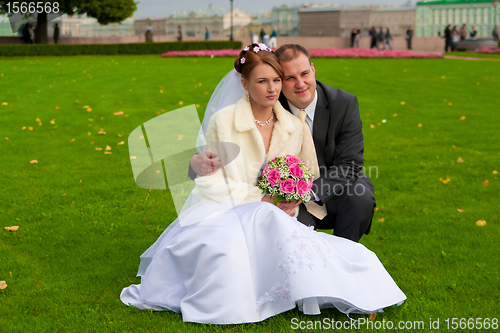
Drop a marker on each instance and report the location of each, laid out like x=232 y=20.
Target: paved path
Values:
x=470 y=58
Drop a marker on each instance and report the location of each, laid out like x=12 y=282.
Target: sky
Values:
x=165 y=8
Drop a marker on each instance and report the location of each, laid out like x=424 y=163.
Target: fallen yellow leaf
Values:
x=53 y=121
x=7 y=139
x=381 y=219
x=449 y=103
x=71 y=140
x=443 y=77
x=453 y=146
x=98 y=148
x=402 y=103
x=34 y=161
x=119 y=135
x=23 y=128
x=3 y=285
x=376 y=209
x=372 y=317
x=419 y=125
x=481 y=223
x=181 y=102
x=460 y=160
x=89 y=109
x=38 y=119
x=121 y=143
x=107 y=152
x=30 y=128
x=5 y=103
x=495 y=172
x=395 y=115
x=118 y=113
x=372 y=126
x=460 y=210
x=101 y=132
x=462 y=118
x=444 y=180
x=486 y=182
x=180 y=137
x=89 y=133
x=108 y=147
x=133 y=157
x=64 y=195
x=14 y=228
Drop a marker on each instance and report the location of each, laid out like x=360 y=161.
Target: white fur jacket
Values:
x=235 y=124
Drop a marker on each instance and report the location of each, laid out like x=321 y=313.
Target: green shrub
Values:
x=102 y=49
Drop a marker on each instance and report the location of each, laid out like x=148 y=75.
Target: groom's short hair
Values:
x=288 y=52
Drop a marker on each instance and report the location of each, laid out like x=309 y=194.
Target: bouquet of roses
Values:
x=286 y=179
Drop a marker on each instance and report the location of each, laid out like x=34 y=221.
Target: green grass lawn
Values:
x=84 y=223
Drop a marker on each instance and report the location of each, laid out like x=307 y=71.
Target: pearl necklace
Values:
x=264 y=123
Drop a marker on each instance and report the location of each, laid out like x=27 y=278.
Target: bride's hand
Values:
x=204 y=163
x=267 y=198
x=288 y=205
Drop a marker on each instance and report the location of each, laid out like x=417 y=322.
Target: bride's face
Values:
x=263 y=85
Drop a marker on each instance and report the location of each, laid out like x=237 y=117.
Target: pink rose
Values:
x=292 y=160
x=296 y=171
x=302 y=187
x=288 y=186
x=274 y=176
x=310 y=184
x=266 y=169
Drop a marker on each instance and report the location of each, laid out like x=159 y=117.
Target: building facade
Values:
x=319 y=21
x=355 y=17
x=396 y=19
x=286 y=20
x=240 y=19
x=433 y=16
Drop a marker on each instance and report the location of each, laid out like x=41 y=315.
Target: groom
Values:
x=335 y=124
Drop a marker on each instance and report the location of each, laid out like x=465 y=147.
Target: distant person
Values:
x=409 y=37
x=463 y=32
x=388 y=39
x=273 y=43
x=265 y=40
x=495 y=33
x=447 y=38
x=354 y=37
x=27 y=33
x=207 y=34
x=56 y=33
x=374 y=37
x=473 y=32
x=255 y=37
x=455 y=37
x=380 y=38
x=262 y=34
x=179 y=33
x=149 y=35
x=32 y=33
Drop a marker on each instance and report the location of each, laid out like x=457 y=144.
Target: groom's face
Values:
x=299 y=85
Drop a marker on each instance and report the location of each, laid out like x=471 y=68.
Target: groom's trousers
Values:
x=349 y=214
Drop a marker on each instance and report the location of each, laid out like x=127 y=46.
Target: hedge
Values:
x=10 y=50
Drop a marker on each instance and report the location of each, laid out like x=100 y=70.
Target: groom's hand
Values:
x=204 y=164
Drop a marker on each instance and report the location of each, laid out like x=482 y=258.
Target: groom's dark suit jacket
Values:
x=338 y=140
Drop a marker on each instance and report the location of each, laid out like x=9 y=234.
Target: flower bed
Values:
x=315 y=53
x=494 y=51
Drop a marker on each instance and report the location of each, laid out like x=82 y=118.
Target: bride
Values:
x=232 y=256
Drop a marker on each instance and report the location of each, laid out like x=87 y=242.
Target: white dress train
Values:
x=252 y=262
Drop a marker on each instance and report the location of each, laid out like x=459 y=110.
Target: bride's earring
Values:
x=247 y=96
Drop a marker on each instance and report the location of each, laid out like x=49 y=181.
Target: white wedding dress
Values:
x=253 y=261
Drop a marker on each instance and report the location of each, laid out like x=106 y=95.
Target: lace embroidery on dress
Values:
x=277 y=292
x=307 y=248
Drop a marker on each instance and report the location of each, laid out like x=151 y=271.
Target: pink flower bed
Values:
x=315 y=53
x=496 y=51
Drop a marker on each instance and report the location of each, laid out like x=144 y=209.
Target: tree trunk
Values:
x=41 y=29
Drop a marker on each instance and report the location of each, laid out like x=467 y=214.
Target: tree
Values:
x=105 y=11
